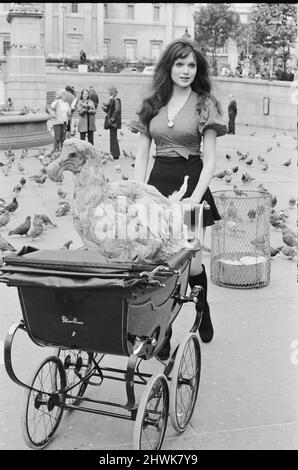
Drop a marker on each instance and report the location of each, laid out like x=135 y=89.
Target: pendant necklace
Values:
x=171 y=120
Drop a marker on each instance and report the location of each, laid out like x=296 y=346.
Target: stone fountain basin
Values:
x=27 y=130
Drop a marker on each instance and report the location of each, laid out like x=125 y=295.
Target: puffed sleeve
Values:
x=136 y=126
x=210 y=118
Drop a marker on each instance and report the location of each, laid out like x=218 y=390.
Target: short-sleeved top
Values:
x=184 y=138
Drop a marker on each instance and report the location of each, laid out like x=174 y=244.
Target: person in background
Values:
x=8 y=106
x=180 y=113
x=113 y=120
x=86 y=110
x=70 y=97
x=60 y=118
x=232 y=112
x=93 y=96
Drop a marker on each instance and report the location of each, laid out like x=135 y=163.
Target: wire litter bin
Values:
x=240 y=241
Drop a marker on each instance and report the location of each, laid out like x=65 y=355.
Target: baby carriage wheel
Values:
x=75 y=362
x=42 y=412
x=152 y=415
x=185 y=382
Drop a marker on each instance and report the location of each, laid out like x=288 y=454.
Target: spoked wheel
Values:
x=77 y=365
x=152 y=415
x=42 y=412
x=185 y=382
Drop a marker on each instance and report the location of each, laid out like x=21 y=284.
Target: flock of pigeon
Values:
x=35 y=227
x=278 y=217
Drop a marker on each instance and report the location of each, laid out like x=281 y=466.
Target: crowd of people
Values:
x=66 y=102
x=287 y=74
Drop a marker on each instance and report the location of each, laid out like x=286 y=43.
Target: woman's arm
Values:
x=91 y=109
x=209 y=165
x=142 y=158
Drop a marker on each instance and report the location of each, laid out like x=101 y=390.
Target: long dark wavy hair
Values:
x=162 y=84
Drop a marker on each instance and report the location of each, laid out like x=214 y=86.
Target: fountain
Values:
x=25 y=82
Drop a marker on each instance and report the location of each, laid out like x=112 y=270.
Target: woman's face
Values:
x=85 y=95
x=183 y=71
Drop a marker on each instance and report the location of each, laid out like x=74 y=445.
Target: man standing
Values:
x=232 y=112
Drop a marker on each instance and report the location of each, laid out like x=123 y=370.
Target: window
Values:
x=74 y=8
x=223 y=50
x=156 y=12
x=130 y=47
x=74 y=47
x=106 y=11
x=131 y=12
x=106 y=45
x=6 y=44
x=155 y=50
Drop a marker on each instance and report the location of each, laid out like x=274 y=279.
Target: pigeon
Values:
x=4 y=218
x=46 y=220
x=66 y=245
x=278 y=144
x=274 y=135
x=249 y=162
x=265 y=166
x=275 y=220
x=39 y=179
x=12 y=206
x=118 y=168
x=5 y=245
x=288 y=251
x=284 y=214
x=274 y=251
x=243 y=157
x=268 y=149
x=62 y=194
x=252 y=134
x=292 y=202
x=17 y=189
x=232 y=213
x=235 y=169
x=287 y=163
x=289 y=237
x=228 y=156
x=125 y=177
x=23 y=181
x=261 y=159
x=238 y=191
x=260 y=210
x=23 y=228
x=246 y=178
x=36 y=231
x=24 y=153
x=228 y=179
x=20 y=167
x=252 y=214
x=220 y=175
x=261 y=188
x=273 y=201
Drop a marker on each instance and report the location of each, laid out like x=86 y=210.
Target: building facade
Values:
x=131 y=30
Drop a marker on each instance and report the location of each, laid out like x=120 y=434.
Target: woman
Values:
x=178 y=114
x=61 y=117
x=86 y=110
x=113 y=120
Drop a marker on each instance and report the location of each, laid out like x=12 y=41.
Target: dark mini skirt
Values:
x=167 y=175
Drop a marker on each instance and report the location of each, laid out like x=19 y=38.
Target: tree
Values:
x=273 y=30
x=214 y=24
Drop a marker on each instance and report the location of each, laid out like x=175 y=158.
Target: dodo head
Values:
x=73 y=156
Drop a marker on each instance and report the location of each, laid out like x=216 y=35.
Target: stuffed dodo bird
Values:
x=126 y=221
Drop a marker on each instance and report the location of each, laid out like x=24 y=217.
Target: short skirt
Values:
x=167 y=175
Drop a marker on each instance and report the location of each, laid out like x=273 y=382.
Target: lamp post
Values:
x=63 y=7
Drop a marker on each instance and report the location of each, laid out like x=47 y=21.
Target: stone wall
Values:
x=249 y=93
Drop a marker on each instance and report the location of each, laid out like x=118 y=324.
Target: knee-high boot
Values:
x=206 y=327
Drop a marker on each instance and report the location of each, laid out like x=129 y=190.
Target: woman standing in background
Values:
x=113 y=120
x=86 y=112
